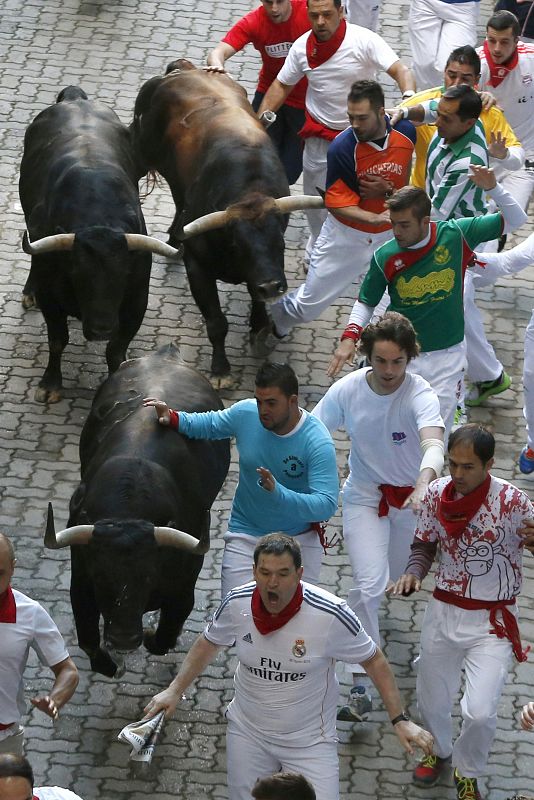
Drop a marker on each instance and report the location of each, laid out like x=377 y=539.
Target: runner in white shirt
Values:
x=24 y=624
x=288 y=636
x=331 y=56
x=507 y=71
x=395 y=429
x=478 y=522
x=363 y=12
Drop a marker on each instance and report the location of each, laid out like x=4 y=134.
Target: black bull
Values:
x=78 y=189
x=199 y=131
x=136 y=474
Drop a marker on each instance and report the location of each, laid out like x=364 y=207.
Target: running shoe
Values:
x=359 y=705
x=466 y=788
x=526 y=460
x=481 y=391
x=429 y=770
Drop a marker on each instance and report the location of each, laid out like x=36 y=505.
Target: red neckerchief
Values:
x=8 y=607
x=455 y=515
x=507 y=629
x=265 y=622
x=318 y=52
x=392 y=496
x=404 y=259
x=498 y=72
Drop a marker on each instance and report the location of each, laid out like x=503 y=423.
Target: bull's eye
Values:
x=483 y=551
x=471 y=551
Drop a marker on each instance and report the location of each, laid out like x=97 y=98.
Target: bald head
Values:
x=16 y=777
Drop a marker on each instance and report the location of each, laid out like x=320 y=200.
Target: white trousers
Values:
x=444 y=370
x=528 y=381
x=520 y=184
x=482 y=363
x=378 y=550
x=363 y=12
x=435 y=29
x=452 y=638
x=340 y=256
x=250 y=758
x=238 y=558
x=313 y=176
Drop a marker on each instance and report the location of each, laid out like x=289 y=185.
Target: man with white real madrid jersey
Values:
x=288 y=636
x=24 y=624
x=423 y=268
x=395 y=429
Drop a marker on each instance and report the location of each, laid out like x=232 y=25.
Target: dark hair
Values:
x=470 y=105
x=279 y=375
x=283 y=786
x=502 y=20
x=12 y=766
x=276 y=544
x=465 y=55
x=9 y=545
x=391 y=327
x=411 y=197
x=367 y=90
x=480 y=437
x=337 y=3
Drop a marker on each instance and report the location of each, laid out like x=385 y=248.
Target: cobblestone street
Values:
x=109 y=48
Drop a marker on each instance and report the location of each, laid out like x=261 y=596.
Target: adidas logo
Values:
x=248 y=638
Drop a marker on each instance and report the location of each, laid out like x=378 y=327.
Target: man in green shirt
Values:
x=423 y=268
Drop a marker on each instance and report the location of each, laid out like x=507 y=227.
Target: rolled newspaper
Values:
x=143 y=736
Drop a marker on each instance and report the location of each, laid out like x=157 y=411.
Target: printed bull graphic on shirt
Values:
x=491 y=573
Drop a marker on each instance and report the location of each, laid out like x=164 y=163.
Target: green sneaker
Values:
x=466 y=788
x=481 y=391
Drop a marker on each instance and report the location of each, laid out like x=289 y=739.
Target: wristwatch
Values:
x=267 y=118
x=402 y=717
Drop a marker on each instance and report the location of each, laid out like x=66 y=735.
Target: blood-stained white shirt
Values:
x=362 y=54
x=286 y=690
x=485 y=562
x=515 y=94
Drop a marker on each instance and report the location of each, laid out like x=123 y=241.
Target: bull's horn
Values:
x=297 y=202
x=171 y=537
x=78 y=534
x=60 y=241
x=137 y=241
x=217 y=219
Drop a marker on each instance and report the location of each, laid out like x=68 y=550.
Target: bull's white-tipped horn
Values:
x=209 y=222
x=297 y=202
x=171 y=537
x=49 y=244
x=78 y=534
x=138 y=241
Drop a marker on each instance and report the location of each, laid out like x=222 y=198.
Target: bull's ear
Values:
x=76 y=500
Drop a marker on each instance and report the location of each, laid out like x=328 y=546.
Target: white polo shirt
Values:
x=33 y=628
x=515 y=94
x=361 y=55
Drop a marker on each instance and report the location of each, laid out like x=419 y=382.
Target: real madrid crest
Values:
x=299 y=648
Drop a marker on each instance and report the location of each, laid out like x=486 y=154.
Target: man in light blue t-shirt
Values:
x=287 y=469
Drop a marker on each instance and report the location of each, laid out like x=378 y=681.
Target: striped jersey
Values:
x=492 y=119
x=286 y=690
x=348 y=159
x=453 y=194
x=426 y=283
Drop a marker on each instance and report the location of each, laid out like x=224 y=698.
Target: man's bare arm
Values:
x=275 y=96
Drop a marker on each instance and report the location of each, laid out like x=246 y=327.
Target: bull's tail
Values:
x=152 y=179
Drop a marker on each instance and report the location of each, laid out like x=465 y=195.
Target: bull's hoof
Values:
x=223 y=381
x=29 y=301
x=263 y=342
x=150 y=641
x=102 y=663
x=44 y=395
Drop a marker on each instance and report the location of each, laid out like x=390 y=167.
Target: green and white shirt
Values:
x=453 y=195
x=426 y=283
